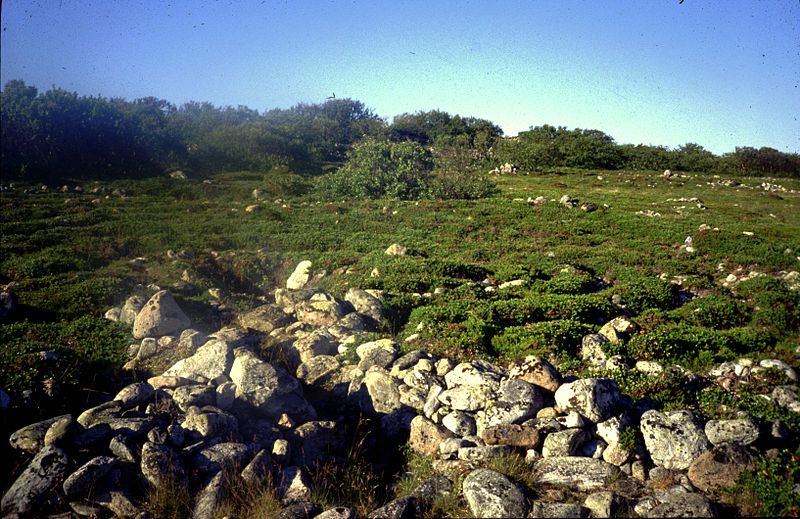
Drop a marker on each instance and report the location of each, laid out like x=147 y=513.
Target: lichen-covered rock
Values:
x=161 y=315
x=318 y=370
x=36 y=482
x=558 y=510
x=101 y=413
x=741 y=430
x=475 y=373
x=208 y=498
x=211 y=360
x=378 y=393
x=592 y=350
x=300 y=277
x=492 y=494
x=513 y=435
x=467 y=398
x=593 y=398
x=87 y=475
x=135 y=394
x=537 y=371
x=425 y=436
x=194 y=395
x=406 y=507
x=221 y=456
x=365 y=304
x=564 y=443
x=576 y=472
x=460 y=423
x=319 y=313
x=265 y=318
x=673 y=438
x=689 y=504
x=720 y=466
x=31 y=437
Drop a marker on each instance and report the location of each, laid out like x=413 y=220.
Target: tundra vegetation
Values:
x=103 y=197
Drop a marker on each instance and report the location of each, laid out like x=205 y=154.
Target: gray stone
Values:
x=94 y=435
x=300 y=277
x=258 y=469
x=31 y=437
x=194 y=395
x=475 y=373
x=460 y=423
x=592 y=350
x=349 y=325
x=62 y=432
x=556 y=510
x=381 y=357
x=620 y=362
x=298 y=509
x=365 y=304
x=564 y=443
x=611 y=429
x=293 y=485
x=191 y=339
x=467 y=397
x=483 y=452
x=319 y=313
x=339 y=512
x=287 y=298
x=265 y=318
x=211 y=360
x=619 y=328
x=426 y=437
x=604 y=504
x=595 y=399
x=159 y=463
x=133 y=305
x=432 y=488
x=266 y=389
x=221 y=456
x=119 y=501
x=101 y=413
x=492 y=494
x=36 y=482
x=161 y=315
x=406 y=507
x=318 y=370
x=124 y=448
x=132 y=427
x=741 y=430
x=585 y=474
x=226 y=395
x=685 y=505
x=673 y=438
x=209 y=497
x=448 y=448
x=720 y=466
x=318 y=342
x=209 y=423
x=315 y=441
x=378 y=393
x=87 y=475
x=135 y=394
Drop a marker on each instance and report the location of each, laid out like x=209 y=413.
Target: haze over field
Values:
x=721 y=74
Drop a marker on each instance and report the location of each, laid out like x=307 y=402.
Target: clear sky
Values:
x=721 y=73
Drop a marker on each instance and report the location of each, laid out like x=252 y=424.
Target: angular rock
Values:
x=592 y=350
x=475 y=373
x=194 y=395
x=604 y=504
x=483 y=452
x=258 y=469
x=579 y=473
x=208 y=424
x=686 y=505
x=36 y=482
x=365 y=304
x=460 y=423
x=293 y=485
x=119 y=501
x=430 y=489
x=492 y=494
x=339 y=512
x=426 y=436
x=616 y=454
x=318 y=370
x=221 y=456
x=619 y=328
x=594 y=398
x=319 y=313
x=467 y=398
x=124 y=448
x=720 y=466
x=319 y=342
x=673 y=438
x=378 y=393
x=611 y=429
x=564 y=443
x=317 y=440
x=537 y=371
x=159 y=463
x=349 y=325
x=266 y=389
x=135 y=394
x=556 y=510
x=62 y=432
x=211 y=360
x=101 y=413
x=396 y=249
x=161 y=315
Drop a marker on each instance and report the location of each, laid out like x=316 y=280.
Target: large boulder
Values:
x=720 y=467
x=593 y=398
x=267 y=389
x=300 y=277
x=365 y=304
x=161 y=315
x=378 y=393
x=36 y=482
x=537 y=371
x=211 y=360
x=265 y=318
x=576 y=472
x=673 y=438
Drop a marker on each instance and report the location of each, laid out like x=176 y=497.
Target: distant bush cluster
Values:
x=58 y=135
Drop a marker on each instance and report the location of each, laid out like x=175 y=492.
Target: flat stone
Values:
x=512 y=434
x=467 y=398
x=537 y=371
x=36 y=482
x=492 y=494
x=31 y=437
x=741 y=430
x=674 y=438
x=87 y=475
x=575 y=472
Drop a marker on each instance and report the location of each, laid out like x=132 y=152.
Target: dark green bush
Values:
x=772 y=483
x=714 y=311
x=647 y=293
x=559 y=336
x=571 y=281
x=776 y=307
x=460 y=341
x=688 y=345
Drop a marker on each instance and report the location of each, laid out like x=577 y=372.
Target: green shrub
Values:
x=714 y=311
x=459 y=341
x=685 y=344
x=571 y=281
x=559 y=336
x=776 y=307
x=646 y=293
x=772 y=483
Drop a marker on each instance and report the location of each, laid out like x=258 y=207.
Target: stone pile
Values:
x=225 y=412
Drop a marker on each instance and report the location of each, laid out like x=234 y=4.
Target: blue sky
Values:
x=718 y=73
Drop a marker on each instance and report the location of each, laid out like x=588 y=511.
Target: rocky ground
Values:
x=274 y=395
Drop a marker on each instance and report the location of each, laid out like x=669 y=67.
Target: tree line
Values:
x=58 y=135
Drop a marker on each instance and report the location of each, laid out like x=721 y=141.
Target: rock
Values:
x=432 y=488
x=211 y=360
x=401 y=508
x=133 y=305
x=135 y=394
x=300 y=277
x=8 y=301
x=62 y=432
x=349 y=325
x=194 y=395
x=101 y=413
x=575 y=472
x=611 y=429
x=537 y=371
x=159 y=463
x=396 y=250
x=266 y=389
x=118 y=501
x=124 y=448
x=319 y=342
x=492 y=494
x=556 y=510
x=594 y=398
x=209 y=423
x=742 y=431
x=592 y=350
x=567 y=201
x=208 y=498
x=31 y=437
x=513 y=435
x=380 y=353
x=319 y=313
x=36 y=482
x=604 y=504
x=425 y=436
x=564 y=443
x=780 y=366
x=316 y=441
x=460 y=423
x=339 y=512
x=258 y=469
x=161 y=315
x=673 y=438
x=87 y=475
x=618 y=329
x=483 y=452
x=221 y=456
x=475 y=373
x=293 y=485
x=620 y=362
x=467 y=398
x=265 y=318
x=365 y=304
x=720 y=466
x=686 y=505
x=616 y=454
x=378 y=393
x=318 y=370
